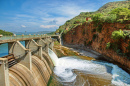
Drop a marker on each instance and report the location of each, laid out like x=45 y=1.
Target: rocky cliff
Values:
x=88 y=35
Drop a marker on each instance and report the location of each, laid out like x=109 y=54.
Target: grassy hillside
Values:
x=5 y=33
x=81 y=18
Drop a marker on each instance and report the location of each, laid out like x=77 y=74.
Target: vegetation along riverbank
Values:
x=106 y=31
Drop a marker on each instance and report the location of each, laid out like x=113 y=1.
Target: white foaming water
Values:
x=64 y=69
x=65 y=66
x=53 y=56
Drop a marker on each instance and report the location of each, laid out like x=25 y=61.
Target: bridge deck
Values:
x=20 y=39
x=8 y=39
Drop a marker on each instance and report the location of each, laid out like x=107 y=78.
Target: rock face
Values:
x=88 y=35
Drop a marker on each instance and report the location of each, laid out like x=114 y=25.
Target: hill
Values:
x=5 y=33
x=112 y=5
x=81 y=18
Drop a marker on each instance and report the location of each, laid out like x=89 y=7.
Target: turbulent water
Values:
x=53 y=56
x=66 y=65
x=72 y=71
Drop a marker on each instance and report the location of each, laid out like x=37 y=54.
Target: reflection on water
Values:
x=76 y=72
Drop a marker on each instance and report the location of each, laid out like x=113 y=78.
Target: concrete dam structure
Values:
x=28 y=65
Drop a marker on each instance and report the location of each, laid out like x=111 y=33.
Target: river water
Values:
x=73 y=71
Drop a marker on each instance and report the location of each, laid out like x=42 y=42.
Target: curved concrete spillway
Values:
x=39 y=66
x=48 y=60
x=28 y=65
x=20 y=75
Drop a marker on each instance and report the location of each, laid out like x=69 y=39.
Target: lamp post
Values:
x=1 y=35
x=41 y=35
x=29 y=35
x=14 y=36
x=22 y=36
x=34 y=35
x=38 y=35
x=10 y=37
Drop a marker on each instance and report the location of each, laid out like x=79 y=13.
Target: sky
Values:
x=42 y=15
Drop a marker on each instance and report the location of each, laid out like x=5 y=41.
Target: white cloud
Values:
x=65 y=11
x=48 y=26
x=23 y=26
x=72 y=9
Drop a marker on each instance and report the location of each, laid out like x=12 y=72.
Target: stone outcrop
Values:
x=87 y=35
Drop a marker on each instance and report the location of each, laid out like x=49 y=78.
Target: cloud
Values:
x=48 y=26
x=53 y=21
x=58 y=20
x=23 y=26
x=56 y=9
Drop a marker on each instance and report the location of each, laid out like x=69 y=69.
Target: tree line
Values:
x=5 y=33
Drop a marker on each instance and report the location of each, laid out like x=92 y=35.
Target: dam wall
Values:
x=28 y=65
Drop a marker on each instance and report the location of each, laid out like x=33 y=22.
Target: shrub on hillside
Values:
x=96 y=18
x=127 y=33
x=77 y=21
x=108 y=45
x=127 y=26
x=68 y=21
x=111 y=18
x=83 y=21
x=118 y=34
x=121 y=13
